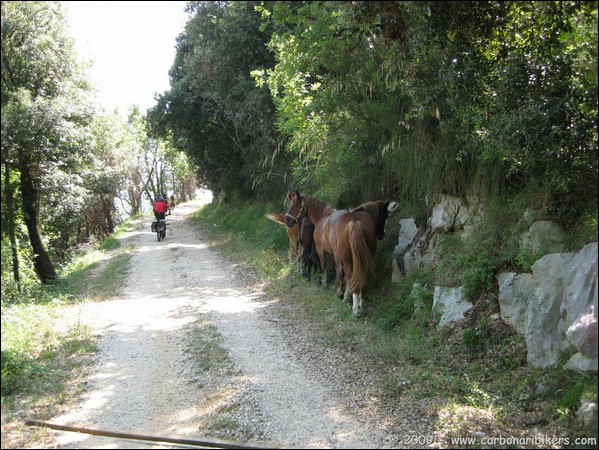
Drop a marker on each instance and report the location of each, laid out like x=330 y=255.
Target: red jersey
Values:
x=160 y=207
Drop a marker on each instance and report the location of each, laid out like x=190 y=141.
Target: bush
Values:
x=17 y=371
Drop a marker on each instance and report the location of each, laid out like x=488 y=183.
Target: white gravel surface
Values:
x=194 y=348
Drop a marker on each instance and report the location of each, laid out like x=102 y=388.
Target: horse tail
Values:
x=292 y=233
x=362 y=259
x=276 y=217
x=294 y=244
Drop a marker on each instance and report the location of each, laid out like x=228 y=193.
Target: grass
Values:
x=99 y=274
x=34 y=357
x=40 y=362
x=205 y=348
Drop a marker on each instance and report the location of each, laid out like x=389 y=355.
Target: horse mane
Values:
x=320 y=207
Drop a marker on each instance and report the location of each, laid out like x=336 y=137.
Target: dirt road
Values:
x=193 y=348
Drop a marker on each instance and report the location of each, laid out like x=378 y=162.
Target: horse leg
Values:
x=347 y=277
x=307 y=264
x=347 y=294
x=358 y=304
x=323 y=265
x=312 y=260
x=339 y=279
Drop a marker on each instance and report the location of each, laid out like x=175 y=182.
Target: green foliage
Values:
x=472 y=338
x=459 y=261
x=526 y=257
x=19 y=327
x=571 y=396
x=32 y=351
x=478 y=277
x=45 y=110
x=572 y=389
x=380 y=99
x=250 y=218
x=584 y=230
x=432 y=98
x=566 y=388
x=408 y=301
x=17 y=372
x=110 y=243
x=214 y=111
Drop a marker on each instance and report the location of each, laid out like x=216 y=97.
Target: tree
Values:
x=213 y=111
x=43 y=108
x=431 y=97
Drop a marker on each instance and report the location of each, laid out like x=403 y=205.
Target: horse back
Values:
x=324 y=232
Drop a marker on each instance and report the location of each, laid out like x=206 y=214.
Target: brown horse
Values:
x=292 y=235
x=350 y=236
x=380 y=211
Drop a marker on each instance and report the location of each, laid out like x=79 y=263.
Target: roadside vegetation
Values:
x=41 y=363
x=478 y=366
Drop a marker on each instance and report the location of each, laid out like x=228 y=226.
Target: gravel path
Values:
x=194 y=349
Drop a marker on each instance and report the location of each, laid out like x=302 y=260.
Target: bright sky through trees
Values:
x=131 y=46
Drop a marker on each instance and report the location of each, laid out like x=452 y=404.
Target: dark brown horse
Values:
x=379 y=210
x=310 y=257
x=350 y=236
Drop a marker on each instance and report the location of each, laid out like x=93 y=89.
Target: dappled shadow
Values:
x=144 y=378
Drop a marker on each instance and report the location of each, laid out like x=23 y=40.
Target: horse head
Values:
x=297 y=210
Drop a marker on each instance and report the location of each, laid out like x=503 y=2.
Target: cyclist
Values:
x=160 y=209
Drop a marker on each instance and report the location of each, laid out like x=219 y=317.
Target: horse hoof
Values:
x=357 y=313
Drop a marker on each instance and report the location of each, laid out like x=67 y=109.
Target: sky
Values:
x=131 y=46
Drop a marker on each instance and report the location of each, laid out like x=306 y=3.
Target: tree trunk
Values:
x=134 y=200
x=107 y=206
x=41 y=260
x=10 y=219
